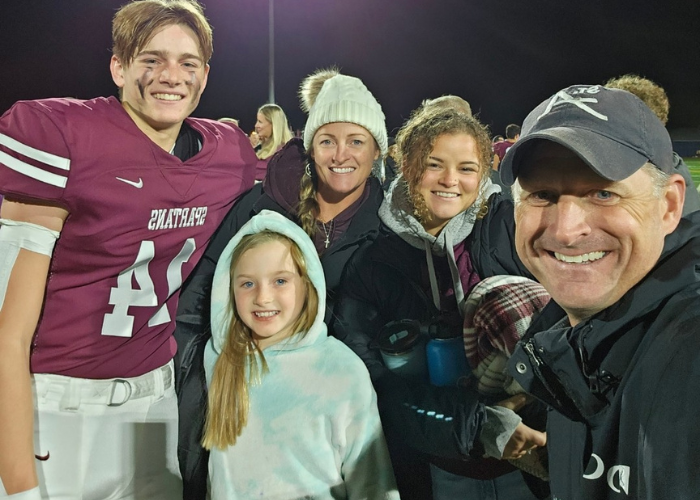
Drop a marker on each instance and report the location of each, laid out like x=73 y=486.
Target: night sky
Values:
x=503 y=57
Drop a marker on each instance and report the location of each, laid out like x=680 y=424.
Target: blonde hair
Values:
x=137 y=22
x=416 y=140
x=241 y=362
x=308 y=207
x=280 y=130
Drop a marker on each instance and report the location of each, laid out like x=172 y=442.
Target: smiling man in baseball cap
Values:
x=616 y=353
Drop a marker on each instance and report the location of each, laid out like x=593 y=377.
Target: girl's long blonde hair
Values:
x=280 y=130
x=241 y=362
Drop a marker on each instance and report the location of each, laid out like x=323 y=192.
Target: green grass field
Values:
x=694 y=166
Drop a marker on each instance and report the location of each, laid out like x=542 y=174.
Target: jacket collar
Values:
x=364 y=224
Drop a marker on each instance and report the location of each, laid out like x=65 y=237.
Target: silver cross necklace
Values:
x=327 y=231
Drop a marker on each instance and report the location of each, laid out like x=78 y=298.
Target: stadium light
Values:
x=271 y=53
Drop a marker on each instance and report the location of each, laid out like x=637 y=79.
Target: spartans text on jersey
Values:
x=170 y=218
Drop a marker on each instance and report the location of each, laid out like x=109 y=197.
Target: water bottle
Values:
x=447 y=361
x=402 y=348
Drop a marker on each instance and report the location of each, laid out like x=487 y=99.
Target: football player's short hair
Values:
x=512 y=130
x=137 y=22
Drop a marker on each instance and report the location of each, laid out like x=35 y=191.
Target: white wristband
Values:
x=33 y=494
x=32 y=237
x=16 y=235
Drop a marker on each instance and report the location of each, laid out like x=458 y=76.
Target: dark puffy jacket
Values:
x=193 y=331
x=385 y=281
x=623 y=385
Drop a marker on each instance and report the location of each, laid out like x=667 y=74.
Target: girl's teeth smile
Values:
x=266 y=314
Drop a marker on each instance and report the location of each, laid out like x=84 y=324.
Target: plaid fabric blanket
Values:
x=497 y=313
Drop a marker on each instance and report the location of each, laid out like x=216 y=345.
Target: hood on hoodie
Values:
x=267 y=220
x=396 y=212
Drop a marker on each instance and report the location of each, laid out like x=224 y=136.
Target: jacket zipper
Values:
x=541 y=370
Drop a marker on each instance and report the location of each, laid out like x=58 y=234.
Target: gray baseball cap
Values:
x=611 y=130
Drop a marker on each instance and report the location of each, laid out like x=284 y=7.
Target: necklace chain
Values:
x=327 y=231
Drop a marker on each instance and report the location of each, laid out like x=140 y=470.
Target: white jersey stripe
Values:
x=35 y=154
x=32 y=171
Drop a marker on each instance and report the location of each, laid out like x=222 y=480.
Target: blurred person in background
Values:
x=501 y=147
x=271 y=132
x=226 y=119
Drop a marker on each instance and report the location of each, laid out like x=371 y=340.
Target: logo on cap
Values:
x=575 y=97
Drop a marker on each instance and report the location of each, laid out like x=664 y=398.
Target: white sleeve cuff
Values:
x=33 y=494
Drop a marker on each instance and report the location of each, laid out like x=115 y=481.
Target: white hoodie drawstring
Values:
x=454 y=273
x=431 y=272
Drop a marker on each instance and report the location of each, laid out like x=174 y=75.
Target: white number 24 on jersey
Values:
x=119 y=323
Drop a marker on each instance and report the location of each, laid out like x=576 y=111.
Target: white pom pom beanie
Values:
x=346 y=99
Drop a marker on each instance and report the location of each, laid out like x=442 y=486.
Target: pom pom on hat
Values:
x=331 y=97
x=312 y=85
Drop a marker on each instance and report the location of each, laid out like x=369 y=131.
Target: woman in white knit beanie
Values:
x=345 y=138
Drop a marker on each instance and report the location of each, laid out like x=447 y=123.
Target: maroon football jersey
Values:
x=501 y=148
x=139 y=221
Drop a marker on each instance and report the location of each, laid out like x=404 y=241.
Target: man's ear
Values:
x=117 y=69
x=674 y=197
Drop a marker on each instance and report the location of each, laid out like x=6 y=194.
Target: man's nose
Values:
x=570 y=220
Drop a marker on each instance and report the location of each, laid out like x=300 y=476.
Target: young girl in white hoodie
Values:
x=292 y=413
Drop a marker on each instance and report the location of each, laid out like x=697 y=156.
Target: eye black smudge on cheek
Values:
x=195 y=84
x=144 y=82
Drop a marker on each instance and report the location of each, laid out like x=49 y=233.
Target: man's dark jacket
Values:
x=624 y=385
x=193 y=322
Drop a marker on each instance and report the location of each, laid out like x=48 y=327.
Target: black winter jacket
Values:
x=384 y=282
x=623 y=385
x=193 y=322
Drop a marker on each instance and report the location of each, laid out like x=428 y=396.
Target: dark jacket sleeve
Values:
x=438 y=421
x=193 y=306
x=192 y=331
x=492 y=245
